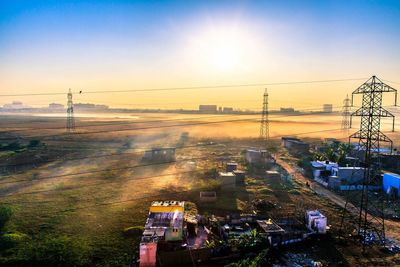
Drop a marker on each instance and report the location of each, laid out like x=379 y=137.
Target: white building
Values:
x=331 y=175
x=316 y=221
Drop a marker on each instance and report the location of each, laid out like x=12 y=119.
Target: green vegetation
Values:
x=257 y=261
x=5 y=215
x=335 y=152
x=133 y=231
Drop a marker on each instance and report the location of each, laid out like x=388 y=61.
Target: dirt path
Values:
x=392 y=227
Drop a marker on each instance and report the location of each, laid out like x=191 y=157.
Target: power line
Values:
x=193 y=87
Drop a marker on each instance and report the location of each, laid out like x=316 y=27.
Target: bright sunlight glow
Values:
x=221 y=49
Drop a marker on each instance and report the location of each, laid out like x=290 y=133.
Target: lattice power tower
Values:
x=371 y=216
x=264 y=127
x=70 y=113
x=346 y=113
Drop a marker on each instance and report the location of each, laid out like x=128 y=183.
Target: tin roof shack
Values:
x=165 y=154
x=391 y=184
x=259 y=157
x=295 y=146
x=231 y=166
x=164 y=225
x=228 y=180
x=316 y=221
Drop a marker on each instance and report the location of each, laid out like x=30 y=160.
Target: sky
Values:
x=50 y=46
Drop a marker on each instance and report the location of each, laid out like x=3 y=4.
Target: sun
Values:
x=220 y=49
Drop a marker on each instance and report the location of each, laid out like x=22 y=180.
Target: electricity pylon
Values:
x=346 y=113
x=70 y=113
x=371 y=213
x=264 y=126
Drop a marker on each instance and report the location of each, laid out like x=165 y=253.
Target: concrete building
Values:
x=160 y=154
x=331 y=175
x=208 y=108
x=89 y=106
x=295 y=145
x=316 y=221
x=391 y=184
x=256 y=156
x=15 y=105
x=164 y=224
x=227 y=110
x=56 y=106
x=287 y=110
x=328 y=108
x=283 y=231
x=227 y=179
x=240 y=176
x=231 y=166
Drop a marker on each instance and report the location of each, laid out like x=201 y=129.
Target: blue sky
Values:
x=51 y=45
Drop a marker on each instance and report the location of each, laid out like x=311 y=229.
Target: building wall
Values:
x=391 y=180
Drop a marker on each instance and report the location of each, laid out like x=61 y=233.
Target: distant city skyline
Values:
x=50 y=46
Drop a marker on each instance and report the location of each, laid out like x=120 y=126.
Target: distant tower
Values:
x=264 y=127
x=70 y=113
x=346 y=113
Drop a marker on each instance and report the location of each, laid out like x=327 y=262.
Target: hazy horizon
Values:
x=50 y=46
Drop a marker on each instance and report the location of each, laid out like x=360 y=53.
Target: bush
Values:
x=34 y=143
x=11 y=240
x=133 y=231
x=60 y=251
x=5 y=215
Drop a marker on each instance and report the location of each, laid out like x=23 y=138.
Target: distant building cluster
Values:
x=214 y=109
x=328 y=108
x=15 y=105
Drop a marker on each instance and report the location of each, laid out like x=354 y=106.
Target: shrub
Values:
x=133 y=231
x=11 y=240
x=34 y=143
x=5 y=215
x=60 y=251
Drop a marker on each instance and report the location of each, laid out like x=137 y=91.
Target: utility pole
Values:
x=70 y=113
x=264 y=127
x=371 y=215
x=346 y=113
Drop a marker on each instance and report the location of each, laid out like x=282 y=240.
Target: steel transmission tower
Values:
x=371 y=215
x=346 y=113
x=70 y=113
x=264 y=127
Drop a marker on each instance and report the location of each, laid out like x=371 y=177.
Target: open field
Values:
x=91 y=185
